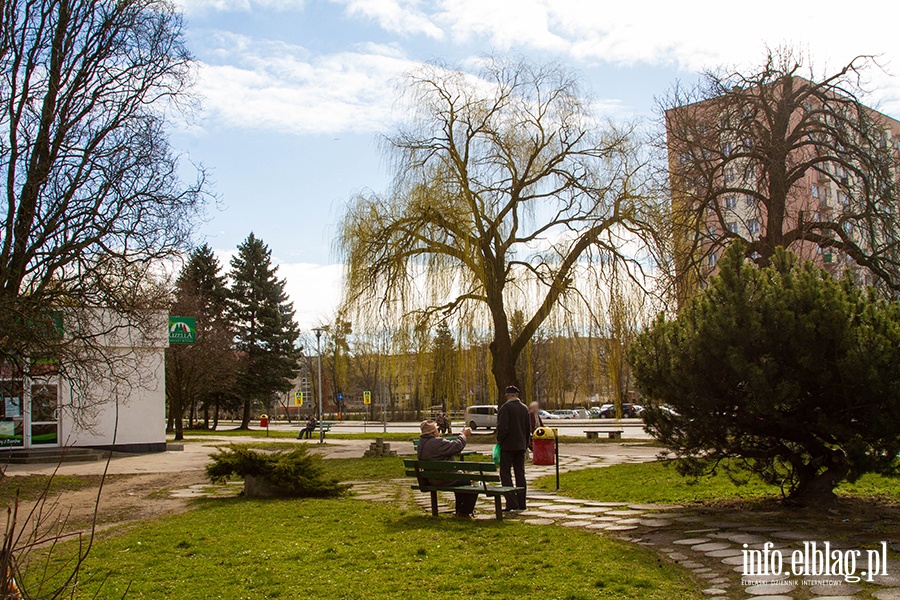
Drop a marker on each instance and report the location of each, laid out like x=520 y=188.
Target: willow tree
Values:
x=505 y=184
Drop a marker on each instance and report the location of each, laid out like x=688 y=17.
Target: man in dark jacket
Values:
x=432 y=447
x=513 y=433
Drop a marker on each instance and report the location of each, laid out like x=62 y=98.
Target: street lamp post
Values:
x=319 y=331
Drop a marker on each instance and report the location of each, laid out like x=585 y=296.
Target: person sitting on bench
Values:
x=433 y=447
x=307 y=431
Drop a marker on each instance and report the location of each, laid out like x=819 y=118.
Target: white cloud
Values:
x=690 y=36
x=201 y=6
x=247 y=83
x=314 y=289
x=398 y=16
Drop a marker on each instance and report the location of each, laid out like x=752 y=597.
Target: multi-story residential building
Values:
x=786 y=162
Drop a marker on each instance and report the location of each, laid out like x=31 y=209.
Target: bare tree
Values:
x=93 y=196
x=776 y=156
x=504 y=182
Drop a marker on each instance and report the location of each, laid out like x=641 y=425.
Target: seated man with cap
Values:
x=433 y=447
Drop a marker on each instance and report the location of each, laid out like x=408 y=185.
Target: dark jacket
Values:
x=513 y=425
x=437 y=448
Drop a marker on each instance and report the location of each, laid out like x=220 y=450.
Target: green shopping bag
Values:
x=496 y=454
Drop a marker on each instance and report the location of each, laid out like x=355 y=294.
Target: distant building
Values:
x=718 y=182
x=119 y=402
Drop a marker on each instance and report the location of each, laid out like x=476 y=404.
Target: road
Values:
x=632 y=428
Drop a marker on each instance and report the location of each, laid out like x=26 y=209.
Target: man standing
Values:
x=432 y=447
x=513 y=432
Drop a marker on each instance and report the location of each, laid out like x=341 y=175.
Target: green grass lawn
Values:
x=660 y=482
x=351 y=549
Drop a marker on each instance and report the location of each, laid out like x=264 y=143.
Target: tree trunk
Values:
x=817 y=489
x=179 y=428
x=504 y=366
x=216 y=416
x=206 y=415
x=245 y=418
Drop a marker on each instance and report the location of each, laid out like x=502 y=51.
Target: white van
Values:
x=482 y=415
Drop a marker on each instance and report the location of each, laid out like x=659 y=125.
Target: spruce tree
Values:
x=202 y=372
x=265 y=330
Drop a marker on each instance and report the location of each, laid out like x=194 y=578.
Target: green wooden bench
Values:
x=323 y=426
x=479 y=473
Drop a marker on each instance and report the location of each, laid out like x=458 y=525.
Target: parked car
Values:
x=566 y=414
x=547 y=415
x=482 y=415
x=629 y=410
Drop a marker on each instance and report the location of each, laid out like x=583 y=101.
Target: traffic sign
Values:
x=298 y=398
x=340 y=397
x=367 y=397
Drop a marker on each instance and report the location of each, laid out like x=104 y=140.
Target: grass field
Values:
x=660 y=482
x=348 y=548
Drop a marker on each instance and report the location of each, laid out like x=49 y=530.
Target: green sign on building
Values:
x=182 y=330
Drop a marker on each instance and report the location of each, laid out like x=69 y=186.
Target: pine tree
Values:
x=265 y=330
x=791 y=373
x=202 y=372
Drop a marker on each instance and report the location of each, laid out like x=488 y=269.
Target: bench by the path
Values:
x=480 y=474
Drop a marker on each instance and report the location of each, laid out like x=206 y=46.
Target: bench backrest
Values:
x=453 y=470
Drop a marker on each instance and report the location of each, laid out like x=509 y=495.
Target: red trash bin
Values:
x=544 y=446
x=264 y=421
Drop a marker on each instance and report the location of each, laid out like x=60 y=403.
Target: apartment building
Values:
x=788 y=162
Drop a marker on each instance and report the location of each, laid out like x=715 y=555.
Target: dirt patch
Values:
x=124 y=499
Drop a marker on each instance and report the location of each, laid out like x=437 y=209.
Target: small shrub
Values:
x=292 y=473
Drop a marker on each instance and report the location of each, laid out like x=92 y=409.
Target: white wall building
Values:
x=116 y=398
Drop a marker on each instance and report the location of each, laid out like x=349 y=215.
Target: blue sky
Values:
x=295 y=93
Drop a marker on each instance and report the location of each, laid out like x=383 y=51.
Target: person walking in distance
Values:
x=513 y=433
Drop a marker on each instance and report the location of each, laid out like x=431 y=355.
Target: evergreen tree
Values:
x=265 y=330
x=202 y=372
x=790 y=372
x=202 y=275
x=446 y=368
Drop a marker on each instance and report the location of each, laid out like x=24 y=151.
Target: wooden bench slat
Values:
x=452 y=476
x=492 y=490
x=450 y=465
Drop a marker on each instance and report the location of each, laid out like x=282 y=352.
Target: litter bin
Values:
x=544 y=444
x=264 y=421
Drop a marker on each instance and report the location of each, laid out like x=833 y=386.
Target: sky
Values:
x=295 y=95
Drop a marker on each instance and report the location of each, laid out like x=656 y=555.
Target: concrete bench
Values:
x=613 y=434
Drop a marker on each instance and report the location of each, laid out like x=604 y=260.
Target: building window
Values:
x=730 y=202
x=727 y=148
x=752 y=201
x=729 y=175
x=753 y=225
x=815 y=191
x=732 y=226
x=713 y=230
x=747 y=143
x=713 y=258
x=684 y=158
